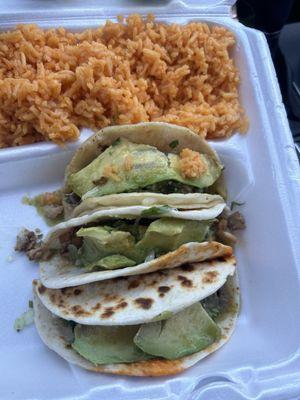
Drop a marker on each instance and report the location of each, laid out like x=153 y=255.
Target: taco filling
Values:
x=171 y=337
x=130 y=167
x=185 y=336
x=184 y=333
x=123 y=243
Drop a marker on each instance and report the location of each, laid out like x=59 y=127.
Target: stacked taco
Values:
x=139 y=278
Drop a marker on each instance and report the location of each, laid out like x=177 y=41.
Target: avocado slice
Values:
x=110 y=248
x=115 y=261
x=107 y=344
x=147 y=166
x=102 y=241
x=184 y=333
x=167 y=234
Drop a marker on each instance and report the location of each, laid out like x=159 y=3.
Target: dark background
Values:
x=280 y=21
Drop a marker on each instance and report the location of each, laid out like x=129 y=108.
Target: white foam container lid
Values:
x=262 y=360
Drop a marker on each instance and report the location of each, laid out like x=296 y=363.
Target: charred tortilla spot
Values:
x=151 y=283
x=77 y=292
x=188 y=267
x=163 y=289
x=64 y=290
x=42 y=289
x=96 y=307
x=123 y=304
x=109 y=311
x=133 y=284
x=111 y=297
x=144 y=302
x=210 y=276
x=79 y=311
x=184 y=281
x=53 y=298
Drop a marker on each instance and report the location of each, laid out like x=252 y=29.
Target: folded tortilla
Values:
x=167 y=241
x=142 y=297
x=144 y=159
x=198 y=202
x=168 y=336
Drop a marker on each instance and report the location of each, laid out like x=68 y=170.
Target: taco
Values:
x=144 y=159
x=126 y=241
x=160 y=323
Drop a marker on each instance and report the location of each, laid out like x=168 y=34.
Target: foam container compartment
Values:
x=262 y=360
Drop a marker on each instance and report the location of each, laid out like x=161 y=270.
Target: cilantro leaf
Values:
x=174 y=144
x=115 y=142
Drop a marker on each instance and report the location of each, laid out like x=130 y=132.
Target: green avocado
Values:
x=107 y=344
x=184 y=333
x=110 y=248
x=167 y=234
x=147 y=166
x=103 y=241
x=115 y=261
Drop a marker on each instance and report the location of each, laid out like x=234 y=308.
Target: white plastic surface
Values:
x=76 y=13
x=262 y=360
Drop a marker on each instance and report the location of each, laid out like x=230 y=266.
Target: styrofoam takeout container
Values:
x=262 y=360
